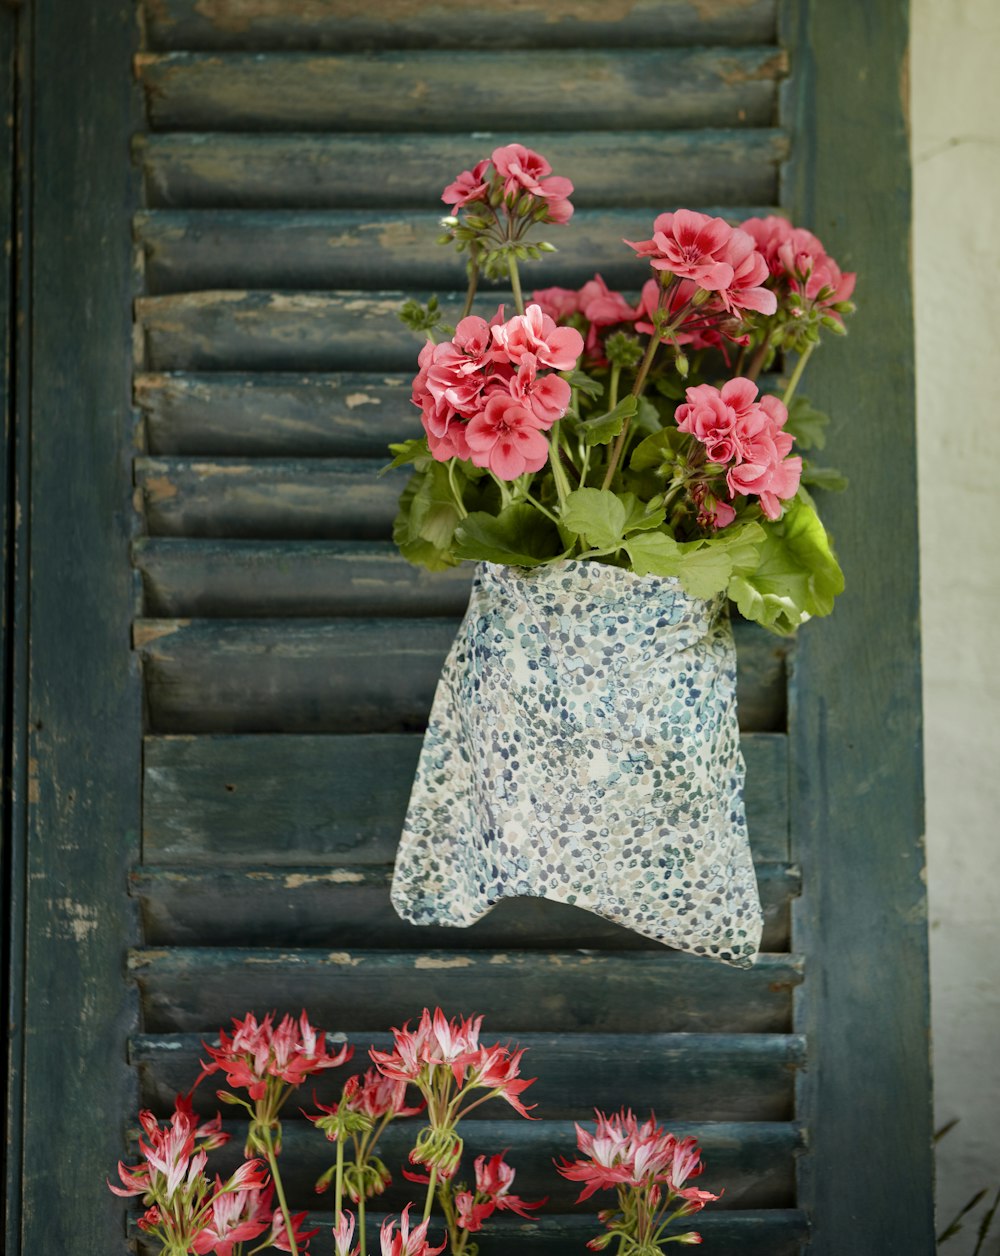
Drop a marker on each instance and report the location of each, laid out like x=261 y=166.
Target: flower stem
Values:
x=800 y=366
x=470 y=296
x=340 y=1178
x=428 y=1202
x=757 y=361
x=515 y=283
x=272 y=1161
x=637 y=387
x=361 y=1223
x=459 y=504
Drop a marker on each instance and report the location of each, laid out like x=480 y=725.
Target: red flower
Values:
x=257 y=1053
x=407 y=1242
x=236 y=1214
x=691 y=246
x=494 y=1179
x=279 y=1233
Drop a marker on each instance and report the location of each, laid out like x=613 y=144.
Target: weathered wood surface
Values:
x=193 y=989
x=286 y=415
x=349 y=675
x=768 y=1232
x=856 y=766
x=348 y=414
x=349 y=906
x=682 y=1077
x=285 y=801
x=342 y=25
x=364 y=249
x=655 y=170
x=329 y=498
x=751 y=1165
x=77 y=737
x=272 y=579
x=433 y=90
x=281 y=331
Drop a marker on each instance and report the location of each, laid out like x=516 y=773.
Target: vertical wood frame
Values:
x=856 y=769
x=77 y=741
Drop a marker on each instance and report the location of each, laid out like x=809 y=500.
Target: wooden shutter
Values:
x=289 y=157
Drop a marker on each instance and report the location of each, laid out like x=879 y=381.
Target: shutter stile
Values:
x=291 y=162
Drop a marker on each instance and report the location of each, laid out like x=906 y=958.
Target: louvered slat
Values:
x=737 y=1077
x=640 y=991
x=433 y=91
x=349 y=675
x=343 y=24
x=286 y=801
x=215 y=169
x=187 y=249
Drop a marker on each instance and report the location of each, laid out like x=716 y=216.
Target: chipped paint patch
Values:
x=344 y=959
x=342 y=876
x=437 y=962
x=361 y=399
x=146 y=631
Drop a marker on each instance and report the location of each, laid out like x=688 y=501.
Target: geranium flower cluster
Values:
x=513 y=176
x=648 y=1167
x=745 y=437
x=488 y=394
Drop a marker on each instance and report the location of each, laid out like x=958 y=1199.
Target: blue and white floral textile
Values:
x=583 y=747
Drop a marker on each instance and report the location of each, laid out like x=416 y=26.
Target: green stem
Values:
x=538 y=506
x=637 y=387
x=340 y=1179
x=428 y=1202
x=280 y=1190
x=361 y=1224
x=459 y=504
x=470 y=295
x=616 y=371
x=515 y=283
x=757 y=361
x=558 y=471
x=800 y=366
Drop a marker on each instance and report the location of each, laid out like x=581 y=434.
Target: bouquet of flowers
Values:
x=588 y=425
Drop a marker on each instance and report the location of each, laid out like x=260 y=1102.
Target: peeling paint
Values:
x=436 y=962
x=341 y=876
x=81 y=919
x=361 y=399
x=146 y=631
x=159 y=488
x=343 y=958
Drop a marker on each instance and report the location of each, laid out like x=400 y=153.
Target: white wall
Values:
x=955 y=69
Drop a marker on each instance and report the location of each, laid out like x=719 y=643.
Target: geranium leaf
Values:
x=826 y=478
x=603 y=428
x=658 y=450
x=596 y=514
x=654 y=554
x=408 y=451
x=639 y=515
x=583 y=383
x=806 y=423
x=518 y=536
x=405 y=532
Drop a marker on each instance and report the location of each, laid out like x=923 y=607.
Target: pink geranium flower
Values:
x=560 y=304
x=505 y=437
x=535 y=333
x=690 y=245
x=546 y=396
x=524 y=170
x=468 y=187
x=745 y=291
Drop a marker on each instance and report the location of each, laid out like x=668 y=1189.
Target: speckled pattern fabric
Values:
x=583 y=747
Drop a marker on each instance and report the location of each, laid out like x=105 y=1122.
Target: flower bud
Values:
x=449 y=221
x=700 y=297
x=543 y=246
x=692 y=1237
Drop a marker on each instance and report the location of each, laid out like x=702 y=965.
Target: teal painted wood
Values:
x=269 y=579
x=192 y=989
x=12 y=636
x=286 y=801
x=420 y=91
x=306 y=499
x=215 y=169
x=682 y=1077
x=341 y=25
x=349 y=906
x=282 y=331
x=76 y=760
x=361 y=249
x=350 y=675
x=855 y=726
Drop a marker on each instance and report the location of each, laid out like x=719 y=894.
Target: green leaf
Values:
x=826 y=478
x=518 y=536
x=434 y=513
x=603 y=428
x=707 y=565
x=406 y=534
x=660 y=449
x=654 y=554
x=806 y=423
x=408 y=451
x=583 y=383
x=640 y=515
x=596 y=514
x=647 y=417
x=797 y=575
